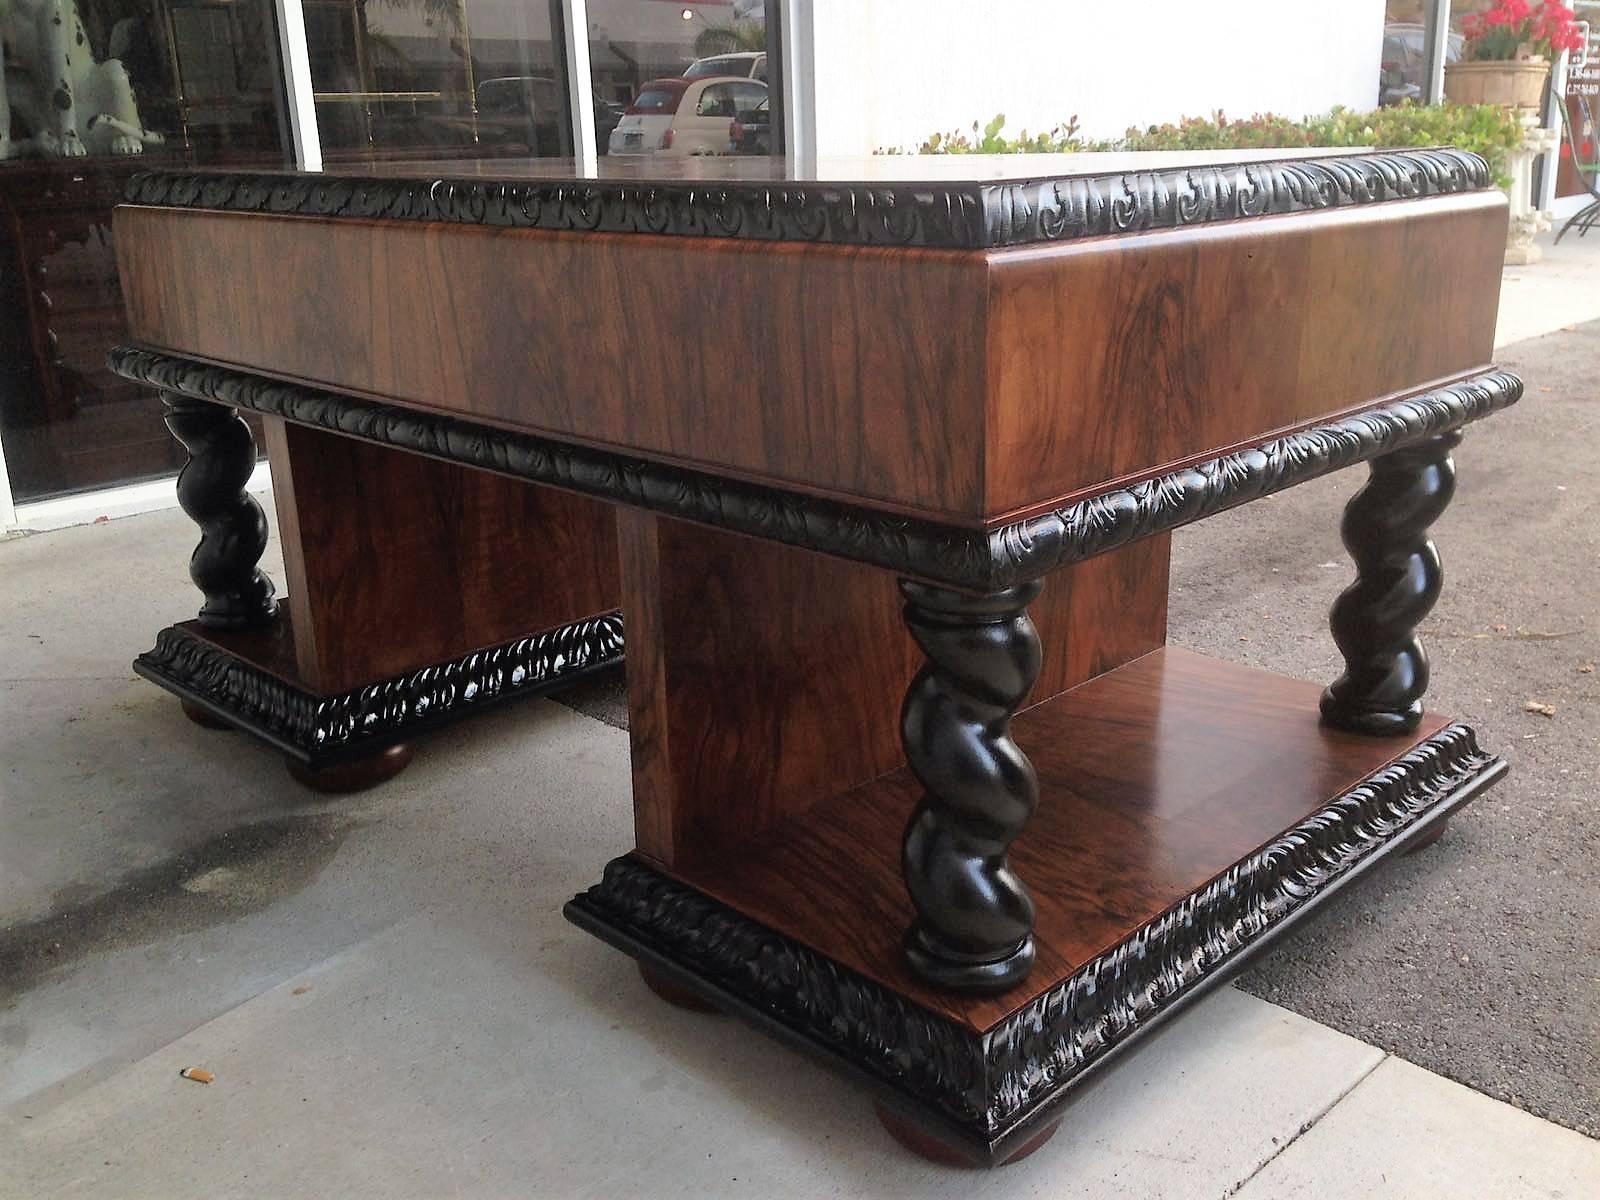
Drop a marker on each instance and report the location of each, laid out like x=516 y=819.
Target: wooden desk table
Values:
x=893 y=452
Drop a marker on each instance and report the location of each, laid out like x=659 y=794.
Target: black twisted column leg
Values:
x=233 y=529
x=974 y=925
x=1374 y=621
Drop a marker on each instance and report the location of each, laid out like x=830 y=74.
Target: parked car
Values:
x=681 y=116
x=752 y=133
x=747 y=64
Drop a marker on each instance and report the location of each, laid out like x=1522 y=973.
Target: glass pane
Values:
x=397 y=79
x=1578 y=170
x=182 y=84
x=654 y=62
x=1403 y=68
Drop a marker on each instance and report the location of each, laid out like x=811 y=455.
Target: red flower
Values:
x=1500 y=32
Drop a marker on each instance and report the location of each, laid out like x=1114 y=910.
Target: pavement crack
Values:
x=1305 y=1128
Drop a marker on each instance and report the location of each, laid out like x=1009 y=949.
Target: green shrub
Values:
x=1485 y=129
x=987 y=139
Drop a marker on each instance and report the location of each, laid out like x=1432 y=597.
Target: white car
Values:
x=680 y=116
x=747 y=64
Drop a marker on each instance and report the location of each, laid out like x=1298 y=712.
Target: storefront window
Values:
x=153 y=83
x=676 y=78
x=437 y=79
x=200 y=83
x=1403 y=70
x=1579 y=165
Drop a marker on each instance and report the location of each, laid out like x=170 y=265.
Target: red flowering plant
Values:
x=1515 y=29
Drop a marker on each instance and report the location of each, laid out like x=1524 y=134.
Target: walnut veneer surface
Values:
x=964 y=383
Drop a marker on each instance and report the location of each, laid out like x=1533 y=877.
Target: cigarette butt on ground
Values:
x=198 y=1074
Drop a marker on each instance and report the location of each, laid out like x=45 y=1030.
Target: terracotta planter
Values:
x=1517 y=84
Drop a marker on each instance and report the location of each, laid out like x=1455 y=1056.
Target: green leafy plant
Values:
x=988 y=139
x=1488 y=130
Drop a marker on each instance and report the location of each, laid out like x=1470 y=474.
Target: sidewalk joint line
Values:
x=1306 y=1126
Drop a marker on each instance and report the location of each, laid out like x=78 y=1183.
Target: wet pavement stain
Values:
x=235 y=873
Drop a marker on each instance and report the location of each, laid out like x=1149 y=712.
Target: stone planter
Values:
x=1518 y=84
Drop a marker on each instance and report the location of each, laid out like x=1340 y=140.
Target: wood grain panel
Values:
x=1122 y=356
x=1154 y=778
x=395 y=561
x=852 y=371
x=763 y=679
x=958 y=385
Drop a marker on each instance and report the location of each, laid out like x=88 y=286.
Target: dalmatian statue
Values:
x=70 y=104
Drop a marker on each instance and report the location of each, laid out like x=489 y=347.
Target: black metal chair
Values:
x=1583 y=142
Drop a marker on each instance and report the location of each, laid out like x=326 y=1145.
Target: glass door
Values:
x=1580 y=149
x=176 y=82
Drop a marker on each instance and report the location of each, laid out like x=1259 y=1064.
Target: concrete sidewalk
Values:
x=455 y=1054
x=392 y=1006
x=1560 y=291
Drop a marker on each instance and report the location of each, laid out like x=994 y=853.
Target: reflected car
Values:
x=752 y=133
x=531 y=109
x=679 y=117
x=1405 y=61
x=522 y=108
x=747 y=64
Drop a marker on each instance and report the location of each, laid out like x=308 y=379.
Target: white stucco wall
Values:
x=890 y=72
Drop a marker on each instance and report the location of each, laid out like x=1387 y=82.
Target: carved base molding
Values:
x=325 y=730
x=986 y=1094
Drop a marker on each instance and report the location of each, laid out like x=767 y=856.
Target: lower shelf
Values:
x=1191 y=813
x=249 y=680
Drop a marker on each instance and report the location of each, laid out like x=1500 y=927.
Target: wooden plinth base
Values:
x=673 y=994
x=355 y=775
x=204 y=717
x=924 y=1145
x=249 y=680
x=1428 y=837
x=1192 y=812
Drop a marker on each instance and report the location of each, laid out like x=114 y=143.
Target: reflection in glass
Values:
x=1578 y=169
x=436 y=78
x=198 y=84
x=1403 y=69
x=684 y=79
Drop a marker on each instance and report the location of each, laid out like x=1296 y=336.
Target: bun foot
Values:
x=1429 y=838
x=356 y=776
x=926 y=1145
x=674 y=994
x=202 y=717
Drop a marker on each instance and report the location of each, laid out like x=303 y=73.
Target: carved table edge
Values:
x=989 y=1092
x=981 y=560
x=962 y=215
x=325 y=730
